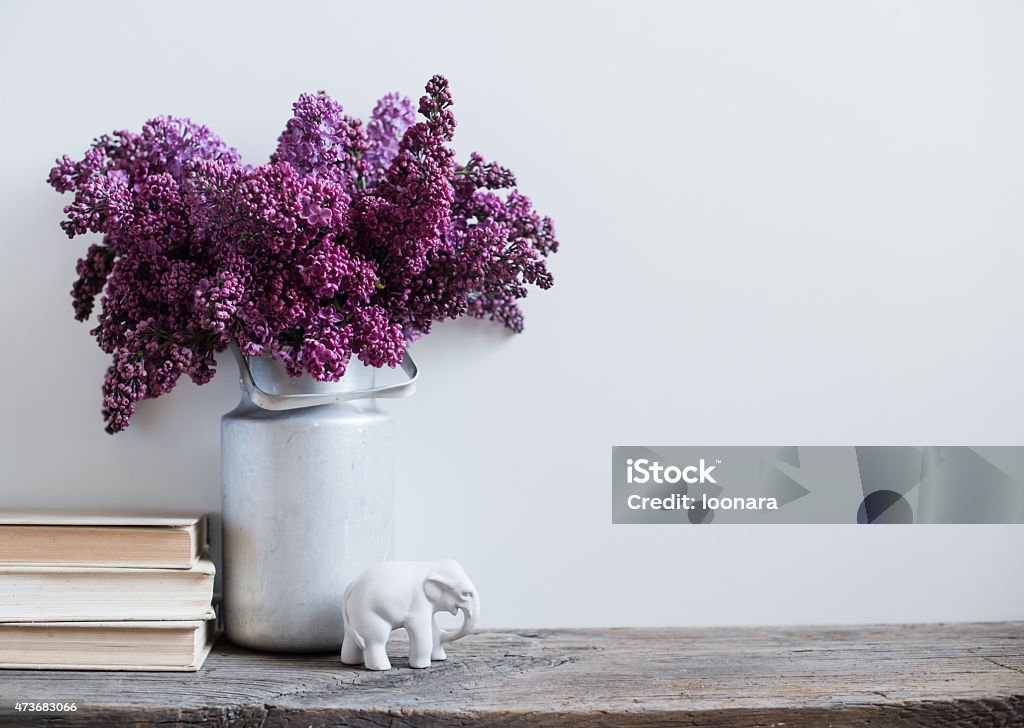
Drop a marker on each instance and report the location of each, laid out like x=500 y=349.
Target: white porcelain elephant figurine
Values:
x=406 y=594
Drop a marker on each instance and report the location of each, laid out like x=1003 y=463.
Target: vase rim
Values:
x=273 y=377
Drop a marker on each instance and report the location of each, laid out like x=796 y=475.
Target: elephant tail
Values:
x=349 y=629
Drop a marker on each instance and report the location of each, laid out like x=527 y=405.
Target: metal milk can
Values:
x=307 y=470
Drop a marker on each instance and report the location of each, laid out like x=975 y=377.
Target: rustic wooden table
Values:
x=920 y=675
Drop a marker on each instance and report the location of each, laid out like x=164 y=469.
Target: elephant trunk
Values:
x=469 y=618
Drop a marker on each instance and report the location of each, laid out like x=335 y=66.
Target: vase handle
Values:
x=277 y=402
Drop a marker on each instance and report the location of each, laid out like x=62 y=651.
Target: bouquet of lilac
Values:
x=353 y=240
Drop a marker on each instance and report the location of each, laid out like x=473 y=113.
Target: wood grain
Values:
x=918 y=675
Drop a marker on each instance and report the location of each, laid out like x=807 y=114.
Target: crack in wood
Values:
x=1008 y=667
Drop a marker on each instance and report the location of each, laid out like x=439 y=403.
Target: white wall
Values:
x=783 y=223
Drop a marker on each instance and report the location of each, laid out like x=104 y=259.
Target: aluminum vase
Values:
x=307 y=470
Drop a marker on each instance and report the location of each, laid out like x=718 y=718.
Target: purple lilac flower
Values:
x=319 y=140
x=391 y=117
x=352 y=241
x=92 y=271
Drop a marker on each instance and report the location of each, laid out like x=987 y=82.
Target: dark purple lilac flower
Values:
x=352 y=241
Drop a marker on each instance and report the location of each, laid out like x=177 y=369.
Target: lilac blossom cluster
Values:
x=351 y=241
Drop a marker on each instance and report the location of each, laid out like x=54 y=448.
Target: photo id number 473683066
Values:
x=38 y=707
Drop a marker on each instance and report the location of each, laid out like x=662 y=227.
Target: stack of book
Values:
x=103 y=592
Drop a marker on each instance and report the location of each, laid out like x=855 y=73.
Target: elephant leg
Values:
x=375 y=632
x=375 y=656
x=419 y=643
x=437 y=652
x=350 y=652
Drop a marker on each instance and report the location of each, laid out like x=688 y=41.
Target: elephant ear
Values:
x=435 y=586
